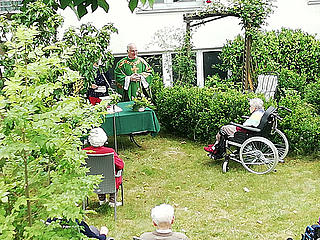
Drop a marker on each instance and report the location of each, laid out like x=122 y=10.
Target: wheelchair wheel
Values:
x=259 y=155
x=280 y=141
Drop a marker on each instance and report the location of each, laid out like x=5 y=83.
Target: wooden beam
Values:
x=203 y=15
x=206 y=21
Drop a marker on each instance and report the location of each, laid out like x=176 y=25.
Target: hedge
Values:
x=198 y=113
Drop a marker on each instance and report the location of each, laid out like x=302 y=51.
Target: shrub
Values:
x=289 y=79
x=198 y=113
x=312 y=94
x=221 y=84
x=302 y=125
x=291 y=50
x=41 y=162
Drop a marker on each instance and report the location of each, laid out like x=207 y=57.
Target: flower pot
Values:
x=135 y=108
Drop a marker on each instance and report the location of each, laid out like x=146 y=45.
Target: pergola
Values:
x=198 y=18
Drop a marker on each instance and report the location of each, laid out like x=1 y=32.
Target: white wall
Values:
x=295 y=14
x=140 y=28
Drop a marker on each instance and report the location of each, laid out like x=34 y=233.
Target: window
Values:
x=172 y=6
x=314 y=2
x=7 y=6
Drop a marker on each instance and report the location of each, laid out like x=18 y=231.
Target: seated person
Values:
x=162 y=218
x=97 y=138
x=89 y=231
x=100 y=87
x=256 y=110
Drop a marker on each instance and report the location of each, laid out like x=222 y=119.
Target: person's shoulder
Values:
x=122 y=61
x=87 y=148
x=141 y=59
x=147 y=236
x=108 y=150
x=180 y=235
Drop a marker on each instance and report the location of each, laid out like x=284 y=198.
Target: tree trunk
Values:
x=247 y=79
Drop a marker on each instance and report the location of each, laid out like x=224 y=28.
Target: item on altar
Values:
x=115 y=98
x=140 y=102
x=113 y=109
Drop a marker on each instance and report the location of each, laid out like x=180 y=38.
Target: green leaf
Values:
x=64 y=3
x=104 y=5
x=94 y=5
x=151 y=2
x=81 y=11
x=78 y=2
x=133 y=4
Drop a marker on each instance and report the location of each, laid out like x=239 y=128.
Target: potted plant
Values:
x=141 y=102
x=111 y=105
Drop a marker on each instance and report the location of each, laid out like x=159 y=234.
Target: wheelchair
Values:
x=258 y=149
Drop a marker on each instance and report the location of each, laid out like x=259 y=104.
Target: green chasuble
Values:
x=125 y=68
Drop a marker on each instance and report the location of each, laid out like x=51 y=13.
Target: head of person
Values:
x=256 y=104
x=162 y=216
x=97 y=137
x=132 y=51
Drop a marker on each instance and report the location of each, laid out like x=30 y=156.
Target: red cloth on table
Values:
x=118 y=162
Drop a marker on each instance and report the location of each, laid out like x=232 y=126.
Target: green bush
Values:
x=286 y=51
x=302 y=125
x=198 y=114
x=289 y=79
x=312 y=94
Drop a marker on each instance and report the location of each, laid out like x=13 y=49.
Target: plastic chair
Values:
x=103 y=164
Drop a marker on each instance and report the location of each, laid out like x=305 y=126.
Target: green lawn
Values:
x=208 y=203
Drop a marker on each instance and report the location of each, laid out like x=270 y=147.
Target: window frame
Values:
x=171 y=6
x=11 y=6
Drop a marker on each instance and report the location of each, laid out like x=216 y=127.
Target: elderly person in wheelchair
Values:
x=257 y=144
x=216 y=150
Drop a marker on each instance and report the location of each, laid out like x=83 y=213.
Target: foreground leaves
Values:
x=41 y=165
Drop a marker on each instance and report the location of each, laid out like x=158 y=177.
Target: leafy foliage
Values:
x=198 y=113
x=44 y=17
x=41 y=163
x=80 y=7
x=91 y=47
x=292 y=53
x=312 y=94
x=302 y=125
x=252 y=13
x=184 y=64
x=35 y=14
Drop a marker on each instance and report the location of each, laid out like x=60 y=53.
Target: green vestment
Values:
x=125 y=68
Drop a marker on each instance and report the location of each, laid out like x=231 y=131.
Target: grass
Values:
x=210 y=204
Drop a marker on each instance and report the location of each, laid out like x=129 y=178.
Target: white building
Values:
x=159 y=30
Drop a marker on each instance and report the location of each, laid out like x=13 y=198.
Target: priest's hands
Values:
x=135 y=77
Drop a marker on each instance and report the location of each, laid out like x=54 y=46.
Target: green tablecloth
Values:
x=131 y=122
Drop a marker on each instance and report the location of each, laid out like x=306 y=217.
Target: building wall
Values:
x=141 y=28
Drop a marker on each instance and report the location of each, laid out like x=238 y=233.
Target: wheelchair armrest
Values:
x=252 y=129
x=119 y=174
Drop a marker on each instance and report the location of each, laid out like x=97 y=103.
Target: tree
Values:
x=252 y=13
x=80 y=6
x=91 y=46
x=42 y=173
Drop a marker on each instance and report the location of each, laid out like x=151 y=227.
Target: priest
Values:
x=132 y=73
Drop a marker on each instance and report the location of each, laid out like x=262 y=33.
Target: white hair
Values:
x=257 y=103
x=163 y=213
x=130 y=45
x=97 y=137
